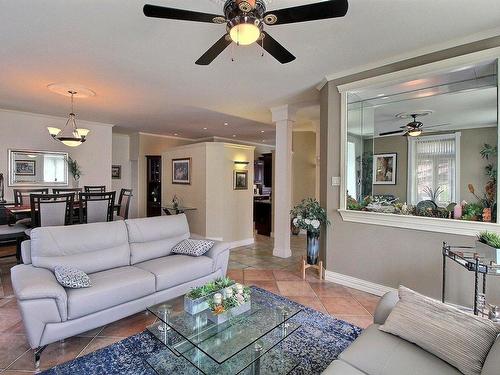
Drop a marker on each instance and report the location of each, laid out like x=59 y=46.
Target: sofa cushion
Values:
x=72 y=278
x=380 y=353
x=192 y=247
x=88 y=247
x=155 y=237
x=110 y=288
x=459 y=338
x=341 y=368
x=175 y=270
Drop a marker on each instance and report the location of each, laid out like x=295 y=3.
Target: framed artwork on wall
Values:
x=181 y=171
x=25 y=167
x=116 y=172
x=384 y=169
x=240 y=180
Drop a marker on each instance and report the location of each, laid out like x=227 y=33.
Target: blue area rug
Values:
x=316 y=343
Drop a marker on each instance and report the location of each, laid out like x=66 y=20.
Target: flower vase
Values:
x=312 y=247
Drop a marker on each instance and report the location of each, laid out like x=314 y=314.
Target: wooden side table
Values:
x=305 y=266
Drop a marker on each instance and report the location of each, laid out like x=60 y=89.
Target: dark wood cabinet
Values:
x=262 y=216
x=153 y=186
x=268 y=169
x=258 y=172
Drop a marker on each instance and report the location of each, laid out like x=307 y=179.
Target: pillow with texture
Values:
x=192 y=247
x=72 y=278
x=463 y=340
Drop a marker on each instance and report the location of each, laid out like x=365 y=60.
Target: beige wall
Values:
x=121 y=156
x=303 y=166
x=381 y=254
x=222 y=212
x=28 y=131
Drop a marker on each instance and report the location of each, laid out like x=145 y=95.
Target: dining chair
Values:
x=51 y=209
x=97 y=207
x=94 y=189
x=124 y=203
x=21 y=196
x=75 y=191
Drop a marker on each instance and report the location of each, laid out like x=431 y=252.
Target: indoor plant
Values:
x=488 y=244
x=310 y=216
x=232 y=301
x=196 y=300
x=75 y=169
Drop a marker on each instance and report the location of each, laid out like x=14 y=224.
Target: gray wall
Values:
x=380 y=254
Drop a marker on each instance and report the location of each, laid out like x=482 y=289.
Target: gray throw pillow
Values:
x=192 y=247
x=73 y=278
x=461 y=339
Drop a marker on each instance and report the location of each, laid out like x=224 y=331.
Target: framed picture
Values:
x=384 y=169
x=25 y=167
x=116 y=172
x=240 y=180
x=181 y=171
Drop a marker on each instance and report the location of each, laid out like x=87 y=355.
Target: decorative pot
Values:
x=312 y=248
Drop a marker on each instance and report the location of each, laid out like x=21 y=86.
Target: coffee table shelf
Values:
x=244 y=343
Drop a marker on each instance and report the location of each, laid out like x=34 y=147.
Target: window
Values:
x=434 y=165
x=351 y=169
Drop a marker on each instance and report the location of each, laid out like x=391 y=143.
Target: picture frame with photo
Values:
x=116 y=172
x=25 y=168
x=240 y=180
x=385 y=169
x=181 y=171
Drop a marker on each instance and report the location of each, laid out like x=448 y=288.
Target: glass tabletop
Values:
x=196 y=335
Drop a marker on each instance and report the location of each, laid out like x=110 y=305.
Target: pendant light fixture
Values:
x=70 y=135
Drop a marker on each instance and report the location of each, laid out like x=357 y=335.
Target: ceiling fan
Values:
x=245 y=20
x=413 y=128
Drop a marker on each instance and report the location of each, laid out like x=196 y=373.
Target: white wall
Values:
x=121 y=156
x=22 y=130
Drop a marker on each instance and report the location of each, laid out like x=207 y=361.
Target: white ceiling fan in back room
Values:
x=245 y=21
x=414 y=128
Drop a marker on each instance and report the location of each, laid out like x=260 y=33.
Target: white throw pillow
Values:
x=193 y=248
x=73 y=278
x=461 y=339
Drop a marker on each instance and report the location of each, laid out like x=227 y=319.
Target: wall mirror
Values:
x=426 y=147
x=38 y=168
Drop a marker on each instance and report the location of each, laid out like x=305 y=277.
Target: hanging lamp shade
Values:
x=70 y=135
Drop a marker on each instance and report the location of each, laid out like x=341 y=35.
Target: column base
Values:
x=282 y=253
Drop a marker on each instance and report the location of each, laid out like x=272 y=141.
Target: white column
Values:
x=282 y=188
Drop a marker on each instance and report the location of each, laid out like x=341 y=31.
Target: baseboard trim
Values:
x=359 y=284
x=246 y=242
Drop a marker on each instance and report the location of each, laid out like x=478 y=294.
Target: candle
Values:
x=229 y=292
x=239 y=288
x=218 y=298
x=457 y=211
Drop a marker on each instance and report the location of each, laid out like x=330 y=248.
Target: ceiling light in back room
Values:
x=205 y=128
x=226 y=124
x=262 y=131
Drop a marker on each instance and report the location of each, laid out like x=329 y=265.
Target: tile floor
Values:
x=252 y=265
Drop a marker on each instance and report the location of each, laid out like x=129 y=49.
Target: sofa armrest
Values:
x=385 y=306
x=26 y=251
x=32 y=283
x=220 y=255
x=492 y=363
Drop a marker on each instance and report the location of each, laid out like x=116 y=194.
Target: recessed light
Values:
x=234 y=135
x=205 y=128
x=262 y=131
x=385 y=97
x=379 y=95
x=226 y=124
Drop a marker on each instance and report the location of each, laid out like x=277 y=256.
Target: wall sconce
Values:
x=240 y=164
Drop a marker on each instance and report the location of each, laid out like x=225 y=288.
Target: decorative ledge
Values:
x=428 y=224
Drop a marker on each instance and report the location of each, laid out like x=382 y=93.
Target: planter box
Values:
x=235 y=311
x=488 y=251
x=195 y=306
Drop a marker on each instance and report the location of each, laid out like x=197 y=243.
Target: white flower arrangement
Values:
x=309 y=215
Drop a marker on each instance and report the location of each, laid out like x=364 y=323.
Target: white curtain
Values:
x=435 y=167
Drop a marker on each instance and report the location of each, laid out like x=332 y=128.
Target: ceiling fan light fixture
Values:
x=245 y=34
x=414 y=132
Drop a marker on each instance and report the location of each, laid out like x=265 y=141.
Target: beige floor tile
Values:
x=235 y=274
x=343 y=306
x=129 y=326
x=327 y=289
x=256 y=274
x=295 y=288
x=285 y=275
x=11 y=348
x=268 y=285
x=362 y=321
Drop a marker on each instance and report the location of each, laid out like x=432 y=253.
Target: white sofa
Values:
x=129 y=263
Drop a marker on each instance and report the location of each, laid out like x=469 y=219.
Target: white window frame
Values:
x=467 y=228
x=412 y=167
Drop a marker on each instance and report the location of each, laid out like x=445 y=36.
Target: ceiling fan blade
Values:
x=178 y=14
x=393 y=132
x=214 y=51
x=436 y=126
x=310 y=12
x=276 y=50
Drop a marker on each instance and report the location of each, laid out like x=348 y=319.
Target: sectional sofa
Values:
x=130 y=266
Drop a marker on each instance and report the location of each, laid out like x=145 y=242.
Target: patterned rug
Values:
x=319 y=341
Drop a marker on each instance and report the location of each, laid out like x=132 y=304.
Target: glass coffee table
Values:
x=250 y=343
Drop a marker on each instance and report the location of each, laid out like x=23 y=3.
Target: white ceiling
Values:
x=143 y=69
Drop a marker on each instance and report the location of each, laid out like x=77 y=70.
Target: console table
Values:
x=470 y=259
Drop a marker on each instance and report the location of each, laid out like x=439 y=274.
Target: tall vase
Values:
x=312 y=248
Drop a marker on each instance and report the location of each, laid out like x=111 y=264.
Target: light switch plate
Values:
x=335 y=181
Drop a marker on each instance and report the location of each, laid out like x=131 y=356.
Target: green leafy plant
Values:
x=309 y=215
x=489 y=152
x=74 y=168
x=490 y=239
x=210 y=287
x=229 y=303
x=472 y=212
